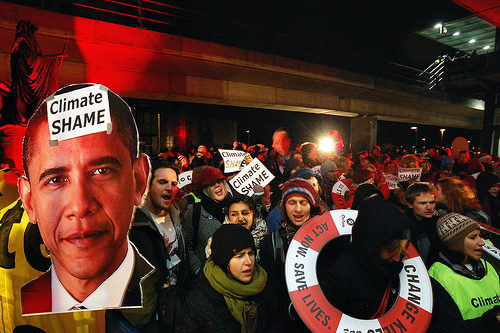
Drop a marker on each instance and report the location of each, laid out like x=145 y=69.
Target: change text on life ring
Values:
x=411 y=313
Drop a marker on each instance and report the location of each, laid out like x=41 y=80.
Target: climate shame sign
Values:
x=254 y=174
x=80 y=112
x=406 y=174
x=232 y=159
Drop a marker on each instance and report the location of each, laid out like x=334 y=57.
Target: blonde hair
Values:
x=459 y=196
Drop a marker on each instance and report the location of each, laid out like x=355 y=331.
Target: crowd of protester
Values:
x=234 y=278
x=216 y=259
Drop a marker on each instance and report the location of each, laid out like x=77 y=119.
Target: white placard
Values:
x=405 y=174
x=185 y=178
x=79 y=112
x=392 y=180
x=232 y=159
x=254 y=174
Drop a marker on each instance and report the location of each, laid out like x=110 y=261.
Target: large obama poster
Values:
x=83 y=179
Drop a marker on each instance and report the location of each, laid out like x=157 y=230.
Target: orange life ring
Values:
x=339 y=144
x=412 y=310
x=343 y=193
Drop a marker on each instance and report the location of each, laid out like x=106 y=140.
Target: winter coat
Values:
x=446 y=315
x=206 y=311
x=149 y=242
x=356 y=282
x=424 y=238
x=206 y=228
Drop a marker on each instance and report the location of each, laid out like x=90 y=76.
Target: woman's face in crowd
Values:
x=373 y=171
x=297 y=156
x=298 y=209
x=331 y=175
x=411 y=164
x=425 y=167
x=440 y=198
x=494 y=190
x=242 y=264
x=473 y=245
x=217 y=190
x=240 y=213
x=314 y=182
x=392 y=168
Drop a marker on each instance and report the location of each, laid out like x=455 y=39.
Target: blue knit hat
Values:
x=446 y=161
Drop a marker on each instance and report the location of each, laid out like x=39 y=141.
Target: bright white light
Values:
x=439 y=25
x=486 y=47
x=456 y=33
x=326 y=144
x=472 y=41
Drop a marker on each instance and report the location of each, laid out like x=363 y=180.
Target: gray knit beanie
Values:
x=327 y=166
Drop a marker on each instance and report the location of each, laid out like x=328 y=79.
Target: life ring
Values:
x=412 y=310
x=340 y=143
x=489 y=247
x=343 y=193
x=492 y=250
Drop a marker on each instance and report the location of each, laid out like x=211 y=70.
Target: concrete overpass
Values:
x=138 y=63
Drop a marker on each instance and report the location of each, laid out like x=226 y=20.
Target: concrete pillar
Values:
x=488 y=122
x=491 y=122
x=363 y=133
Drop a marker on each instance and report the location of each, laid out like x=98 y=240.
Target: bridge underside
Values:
x=138 y=63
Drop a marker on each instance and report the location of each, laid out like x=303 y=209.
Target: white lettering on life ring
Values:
x=411 y=313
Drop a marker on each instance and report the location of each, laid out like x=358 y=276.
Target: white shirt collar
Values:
x=109 y=294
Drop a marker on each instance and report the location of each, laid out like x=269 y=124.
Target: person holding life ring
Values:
x=364 y=281
x=466 y=287
x=299 y=205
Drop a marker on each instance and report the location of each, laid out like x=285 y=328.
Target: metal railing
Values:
x=167 y=18
x=434 y=74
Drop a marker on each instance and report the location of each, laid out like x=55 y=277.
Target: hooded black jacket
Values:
x=356 y=282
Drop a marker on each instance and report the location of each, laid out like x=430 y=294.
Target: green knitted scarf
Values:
x=234 y=292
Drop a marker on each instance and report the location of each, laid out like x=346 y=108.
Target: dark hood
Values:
x=377 y=223
x=484 y=181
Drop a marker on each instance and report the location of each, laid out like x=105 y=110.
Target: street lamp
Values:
x=416 y=135
x=248 y=133
x=423 y=139
x=442 y=133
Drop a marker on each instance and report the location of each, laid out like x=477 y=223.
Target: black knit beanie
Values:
x=227 y=241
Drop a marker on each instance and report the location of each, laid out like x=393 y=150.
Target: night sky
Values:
x=379 y=29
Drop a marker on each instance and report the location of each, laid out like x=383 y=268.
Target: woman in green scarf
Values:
x=232 y=295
